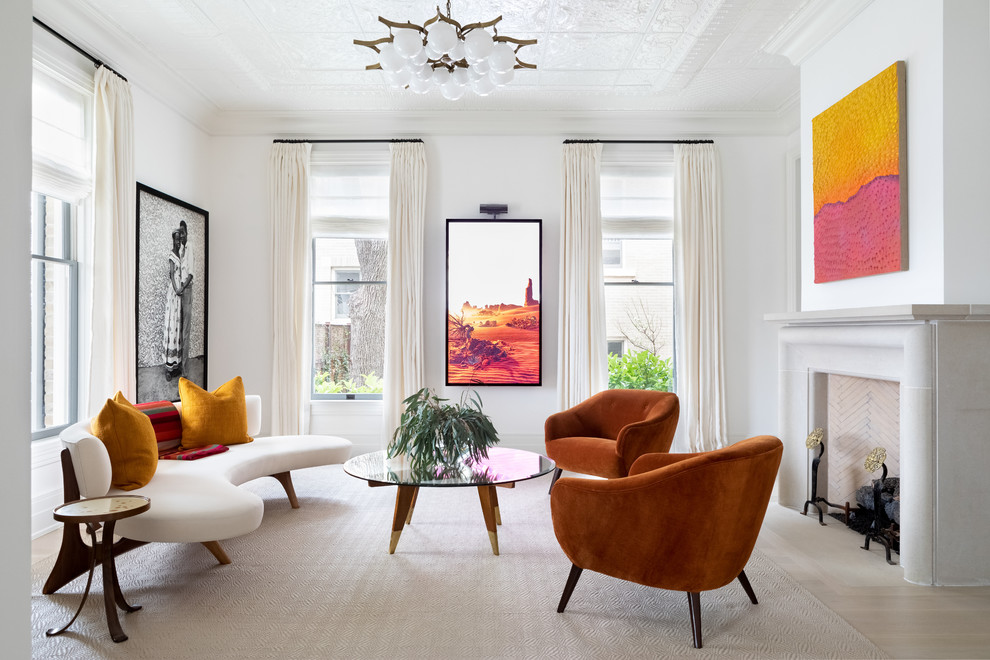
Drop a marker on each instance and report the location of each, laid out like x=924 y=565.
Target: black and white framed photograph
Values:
x=172 y=294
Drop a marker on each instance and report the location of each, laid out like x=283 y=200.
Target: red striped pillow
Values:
x=166 y=422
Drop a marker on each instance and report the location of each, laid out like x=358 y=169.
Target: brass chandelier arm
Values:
x=519 y=42
x=407 y=25
x=373 y=44
x=523 y=65
x=480 y=25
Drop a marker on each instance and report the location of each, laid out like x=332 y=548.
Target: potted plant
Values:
x=433 y=434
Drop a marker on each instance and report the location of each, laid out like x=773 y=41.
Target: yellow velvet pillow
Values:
x=213 y=418
x=130 y=441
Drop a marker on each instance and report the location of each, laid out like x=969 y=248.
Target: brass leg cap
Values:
x=493 y=537
x=394 y=541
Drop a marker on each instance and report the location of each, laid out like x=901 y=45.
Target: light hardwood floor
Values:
x=905 y=620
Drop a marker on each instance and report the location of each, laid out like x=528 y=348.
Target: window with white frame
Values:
x=62 y=148
x=349 y=215
x=637 y=251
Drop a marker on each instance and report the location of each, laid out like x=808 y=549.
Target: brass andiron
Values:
x=878 y=530
x=815 y=439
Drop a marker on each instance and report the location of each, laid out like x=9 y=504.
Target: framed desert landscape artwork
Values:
x=860 y=181
x=171 y=312
x=494 y=270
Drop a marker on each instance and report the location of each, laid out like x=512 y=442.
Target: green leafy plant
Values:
x=323 y=383
x=435 y=434
x=641 y=370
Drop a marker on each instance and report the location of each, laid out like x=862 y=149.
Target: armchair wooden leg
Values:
x=285 y=479
x=553 y=479
x=569 y=587
x=744 y=581
x=694 y=603
x=217 y=551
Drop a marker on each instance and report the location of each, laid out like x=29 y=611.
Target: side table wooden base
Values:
x=112 y=596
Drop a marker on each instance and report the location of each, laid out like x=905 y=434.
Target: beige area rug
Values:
x=318 y=582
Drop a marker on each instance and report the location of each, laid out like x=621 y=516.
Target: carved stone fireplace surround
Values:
x=940 y=355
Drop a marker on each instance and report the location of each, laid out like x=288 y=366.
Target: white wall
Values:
x=885 y=32
x=525 y=173
x=966 y=140
x=15 y=189
x=755 y=260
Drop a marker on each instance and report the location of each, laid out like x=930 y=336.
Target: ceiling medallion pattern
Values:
x=441 y=53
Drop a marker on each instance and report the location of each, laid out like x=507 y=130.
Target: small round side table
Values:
x=91 y=512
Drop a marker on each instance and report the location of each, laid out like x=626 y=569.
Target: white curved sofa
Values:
x=191 y=501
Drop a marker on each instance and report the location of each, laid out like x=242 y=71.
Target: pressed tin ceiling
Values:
x=297 y=56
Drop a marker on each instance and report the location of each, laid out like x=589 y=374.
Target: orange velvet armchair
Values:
x=607 y=432
x=684 y=522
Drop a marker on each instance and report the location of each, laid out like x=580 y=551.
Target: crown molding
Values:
x=813 y=26
x=105 y=41
x=609 y=124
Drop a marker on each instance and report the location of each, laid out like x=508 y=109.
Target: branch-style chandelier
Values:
x=443 y=53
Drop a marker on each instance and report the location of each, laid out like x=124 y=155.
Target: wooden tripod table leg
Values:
x=403 y=501
x=488 y=502
x=412 y=506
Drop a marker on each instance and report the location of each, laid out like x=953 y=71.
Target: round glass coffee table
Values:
x=503 y=468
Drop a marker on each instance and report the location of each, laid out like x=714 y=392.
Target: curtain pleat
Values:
x=582 y=365
x=698 y=246
x=289 y=211
x=113 y=351
x=404 y=364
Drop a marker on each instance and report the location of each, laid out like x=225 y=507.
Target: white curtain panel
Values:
x=289 y=212
x=113 y=352
x=404 y=364
x=582 y=364
x=698 y=255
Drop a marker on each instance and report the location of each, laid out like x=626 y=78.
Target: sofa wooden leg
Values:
x=285 y=479
x=217 y=551
x=572 y=580
x=694 y=603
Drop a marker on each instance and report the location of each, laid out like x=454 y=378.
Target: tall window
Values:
x=62 y=149
x=637 y=254
x=349 y=212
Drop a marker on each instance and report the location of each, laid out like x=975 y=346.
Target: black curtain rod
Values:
x=343 y=141
x=96 y=62
x=639 y=141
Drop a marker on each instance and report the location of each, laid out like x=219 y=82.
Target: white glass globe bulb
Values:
x=389 y=59
x=443 y=36
x=482 y=66
x=503 y=57
x=451 y=90
x=478 y=45
x=423 y=72
x=431 y=50
x=457 y=52
x=420 y=57
x=483 y=86
x=420 y=85
x=407 y=43
x=460 y=76
x=441 y=75
x=502 y=77
x=399 y=78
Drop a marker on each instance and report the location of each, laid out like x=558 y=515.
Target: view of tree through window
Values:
x=349 y=211
x=637 y=255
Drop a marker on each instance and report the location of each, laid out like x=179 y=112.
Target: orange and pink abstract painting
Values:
x=860 y=181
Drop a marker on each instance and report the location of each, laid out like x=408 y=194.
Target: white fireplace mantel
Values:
x=940 y=356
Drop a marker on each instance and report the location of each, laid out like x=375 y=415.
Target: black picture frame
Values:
x=160 y=362
x=494 y=309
